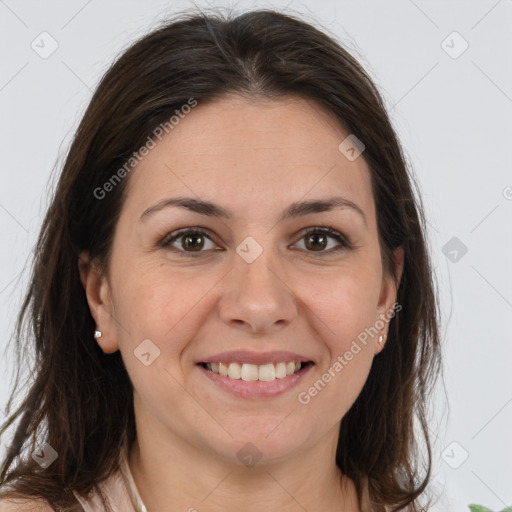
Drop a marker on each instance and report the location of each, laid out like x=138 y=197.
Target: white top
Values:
x=120 y=490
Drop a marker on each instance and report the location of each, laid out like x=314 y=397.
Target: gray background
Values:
x=452 y=113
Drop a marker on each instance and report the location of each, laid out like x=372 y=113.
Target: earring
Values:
x=97 y=334
x=381 y=338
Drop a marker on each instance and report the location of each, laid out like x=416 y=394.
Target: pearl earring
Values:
x=381 y=338
x=97 y=334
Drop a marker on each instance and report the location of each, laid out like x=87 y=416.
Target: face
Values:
x=186 y=285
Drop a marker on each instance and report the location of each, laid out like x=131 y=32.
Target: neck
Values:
x=167 y=470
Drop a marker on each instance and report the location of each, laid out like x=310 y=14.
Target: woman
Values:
x=232 y=300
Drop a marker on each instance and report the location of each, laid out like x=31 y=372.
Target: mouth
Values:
x=248 y=372
x=252 y=381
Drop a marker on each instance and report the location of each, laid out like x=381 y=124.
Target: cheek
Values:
x=343 y=311
x=345 y=303
x=166 y=307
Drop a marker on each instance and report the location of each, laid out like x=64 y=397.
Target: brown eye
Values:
x=194 y=242
x=317 y=240
x=191 y=242
x=187 y=241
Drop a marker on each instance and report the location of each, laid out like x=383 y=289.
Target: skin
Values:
x=255 y=158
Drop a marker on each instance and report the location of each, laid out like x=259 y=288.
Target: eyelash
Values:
x=167 y=240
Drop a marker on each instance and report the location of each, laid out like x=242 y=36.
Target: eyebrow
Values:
x=294 y=210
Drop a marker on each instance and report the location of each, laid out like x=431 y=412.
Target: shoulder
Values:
x=24 y=505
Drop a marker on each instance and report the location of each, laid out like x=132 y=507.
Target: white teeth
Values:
x=223 y=369
x=280 y=370
x=267 y=372
x=234 y=371
x=251 y=372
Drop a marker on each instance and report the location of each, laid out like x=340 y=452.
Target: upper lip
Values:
x=259 y=358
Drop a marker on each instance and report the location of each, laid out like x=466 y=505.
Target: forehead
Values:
x=273 y=151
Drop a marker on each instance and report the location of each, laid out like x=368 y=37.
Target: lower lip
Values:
x=256 y=388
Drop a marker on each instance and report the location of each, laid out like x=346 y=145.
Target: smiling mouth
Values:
x=253 y=372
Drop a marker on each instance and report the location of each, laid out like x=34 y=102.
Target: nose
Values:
x=257 y=298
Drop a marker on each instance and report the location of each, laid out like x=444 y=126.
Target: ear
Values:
x=388 y=295
x=97 y=290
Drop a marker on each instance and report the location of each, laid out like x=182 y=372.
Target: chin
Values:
x=262 y=442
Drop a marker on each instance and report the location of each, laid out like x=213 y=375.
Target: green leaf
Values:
x=479 y=508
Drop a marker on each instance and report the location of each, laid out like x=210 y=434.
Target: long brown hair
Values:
x=80 y=399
